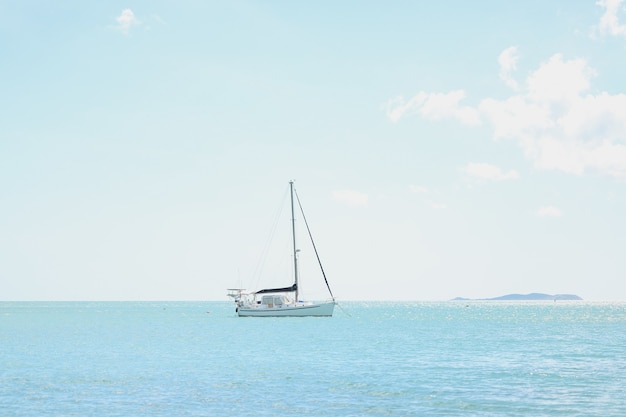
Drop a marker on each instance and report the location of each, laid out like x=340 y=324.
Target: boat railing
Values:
x=237 y=293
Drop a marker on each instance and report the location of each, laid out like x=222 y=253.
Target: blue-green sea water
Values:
x=383 y=359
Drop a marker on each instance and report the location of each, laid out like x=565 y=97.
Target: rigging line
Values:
x=268 y=242
x=313 y=243
x=341 y=308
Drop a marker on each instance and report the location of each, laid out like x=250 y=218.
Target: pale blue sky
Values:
x=441 y=149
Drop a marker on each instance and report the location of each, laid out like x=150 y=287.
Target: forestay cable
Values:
x=313 y=243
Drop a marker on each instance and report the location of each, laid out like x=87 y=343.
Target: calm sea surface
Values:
x=383 y=359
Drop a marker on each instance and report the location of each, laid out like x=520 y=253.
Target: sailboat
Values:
x=283 y=302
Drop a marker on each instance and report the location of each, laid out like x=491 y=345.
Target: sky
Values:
x=440 y=149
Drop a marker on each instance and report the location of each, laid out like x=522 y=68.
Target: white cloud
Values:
x=433 y=106
x=126 y=21
x=561 y=126
x=559 y=81
x=489 y=172
x=554 y=118
x=549 y=211
x=438 y=206
x=350 y=197
x=609 y=22
x=398 y=108
x=508 y=63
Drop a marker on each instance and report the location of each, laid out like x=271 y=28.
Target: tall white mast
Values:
x=293 y=233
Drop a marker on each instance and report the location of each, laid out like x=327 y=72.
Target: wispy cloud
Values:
x=426 y=192
x=609 y=22
x=433 y=106
x=548 y=211
x=153 y=19
x=554 y=118
x=508 y=63
x=489 y=172
x=126 y=21
x=418 y=189
x=351 y=197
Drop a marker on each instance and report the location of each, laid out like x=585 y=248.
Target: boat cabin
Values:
x=276 y=300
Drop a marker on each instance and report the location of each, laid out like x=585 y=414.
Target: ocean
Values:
x=370 y=359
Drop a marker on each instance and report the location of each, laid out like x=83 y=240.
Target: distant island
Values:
x=535 y=296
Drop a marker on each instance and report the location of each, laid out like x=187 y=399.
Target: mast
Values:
x=293 y=234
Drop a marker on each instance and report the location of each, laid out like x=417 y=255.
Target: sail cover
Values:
x=293 y=288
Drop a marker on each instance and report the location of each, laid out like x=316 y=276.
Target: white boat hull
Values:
x=289 y=310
